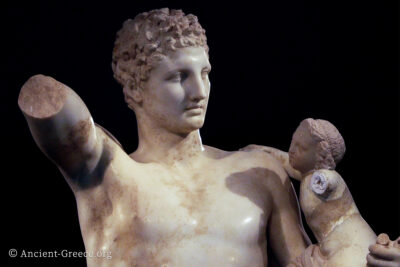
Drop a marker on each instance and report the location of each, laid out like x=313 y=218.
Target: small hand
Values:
x=385 y=253
x=260 y=148
x=281 y=156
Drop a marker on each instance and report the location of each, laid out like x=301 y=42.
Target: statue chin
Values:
x=191 y=125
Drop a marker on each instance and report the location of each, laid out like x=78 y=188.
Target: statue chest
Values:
x=168 y=209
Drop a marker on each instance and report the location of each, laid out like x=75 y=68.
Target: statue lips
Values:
x=196 y=109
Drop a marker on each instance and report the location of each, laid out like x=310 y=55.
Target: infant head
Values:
x=316 y=144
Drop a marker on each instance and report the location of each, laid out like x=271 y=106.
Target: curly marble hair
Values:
x=145 y=41
x=331 y=146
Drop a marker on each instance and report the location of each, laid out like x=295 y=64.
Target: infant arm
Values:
x=281 y=156
x=61 y=125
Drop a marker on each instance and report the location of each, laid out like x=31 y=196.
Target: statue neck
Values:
x=159 y=145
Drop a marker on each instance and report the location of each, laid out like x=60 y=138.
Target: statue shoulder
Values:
x=111 y=144
x=109 y=135
x=261 y=160
x=327 y=184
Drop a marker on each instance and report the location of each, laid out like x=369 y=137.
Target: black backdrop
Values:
x=273 y=66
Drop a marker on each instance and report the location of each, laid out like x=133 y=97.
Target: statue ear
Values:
x=133 y=93
x=137 y=95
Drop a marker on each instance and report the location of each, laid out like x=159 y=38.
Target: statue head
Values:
x=316 y=144
x=145 y=41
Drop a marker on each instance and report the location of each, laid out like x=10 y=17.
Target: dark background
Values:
x=273 y=65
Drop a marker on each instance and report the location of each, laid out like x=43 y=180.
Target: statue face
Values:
x=176 y=95
x=303 y=150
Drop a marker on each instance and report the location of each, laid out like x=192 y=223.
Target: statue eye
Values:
x=204 y=73
x=177 y=77
x=298 y=147
x=301 y=147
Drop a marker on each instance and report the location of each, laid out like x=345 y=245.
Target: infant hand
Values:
x=252 y=147
x=385 y=253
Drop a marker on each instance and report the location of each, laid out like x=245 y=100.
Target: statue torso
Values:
x=211 y=214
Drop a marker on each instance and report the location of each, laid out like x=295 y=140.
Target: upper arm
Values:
x=61 y=125
x=284 y=228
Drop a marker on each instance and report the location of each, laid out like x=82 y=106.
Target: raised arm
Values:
x=61 y=126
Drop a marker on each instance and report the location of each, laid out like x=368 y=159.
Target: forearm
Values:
x=285 y=228
x=310 y=257
x=287 y=241
x=60 y=123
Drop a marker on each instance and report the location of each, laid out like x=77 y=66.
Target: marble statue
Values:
x=173 y=201
x=343 y=236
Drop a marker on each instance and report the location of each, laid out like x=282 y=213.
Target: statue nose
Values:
x=197 y=89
